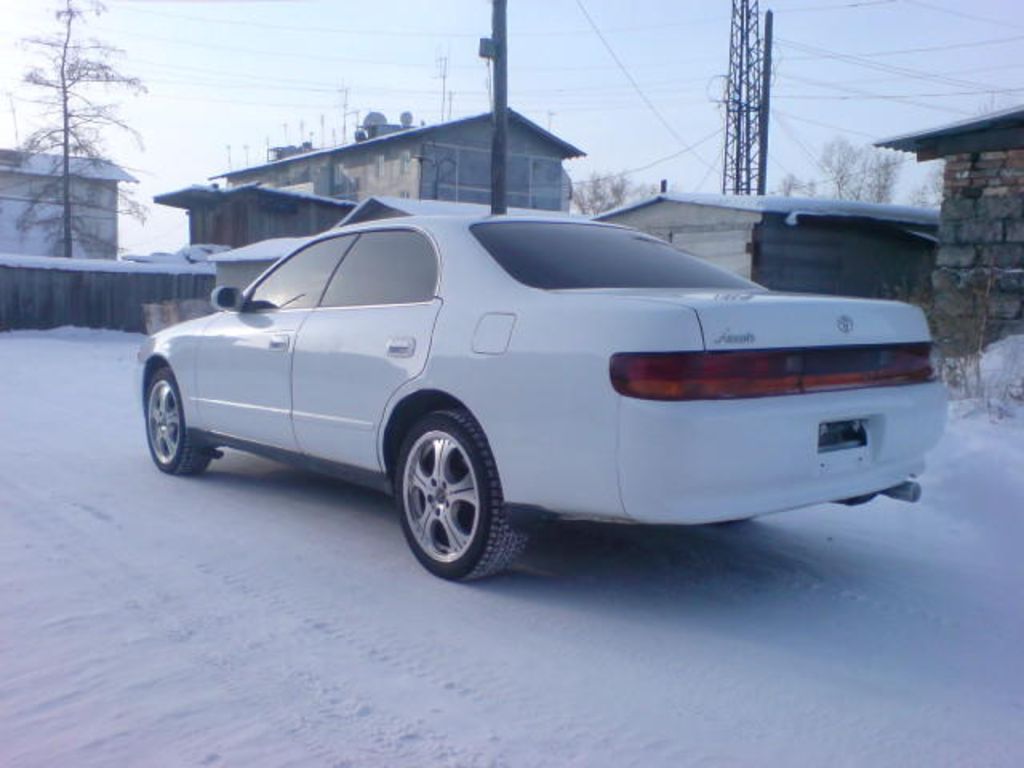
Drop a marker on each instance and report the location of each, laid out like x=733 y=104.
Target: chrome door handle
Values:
x=403 y=347
x=279 y=341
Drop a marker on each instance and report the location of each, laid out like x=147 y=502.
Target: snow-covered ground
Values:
x=259 y=616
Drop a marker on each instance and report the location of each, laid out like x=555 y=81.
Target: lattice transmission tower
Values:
x=746 y=102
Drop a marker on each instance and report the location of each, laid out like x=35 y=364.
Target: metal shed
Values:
x=250 y=213
x=797 y=244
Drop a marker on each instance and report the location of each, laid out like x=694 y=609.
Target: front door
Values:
x=244 y=363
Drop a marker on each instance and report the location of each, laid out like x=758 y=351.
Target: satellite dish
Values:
x=406 y=119
x=374 y=119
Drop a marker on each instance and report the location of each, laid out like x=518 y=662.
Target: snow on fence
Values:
x=38 y=292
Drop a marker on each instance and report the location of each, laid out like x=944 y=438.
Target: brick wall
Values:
x=979 y=275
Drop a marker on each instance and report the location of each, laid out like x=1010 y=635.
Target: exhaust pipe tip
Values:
x=910 y=491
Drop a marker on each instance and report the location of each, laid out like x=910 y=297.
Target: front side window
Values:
x=299 y=281
x=557 y=255
x=396 y=267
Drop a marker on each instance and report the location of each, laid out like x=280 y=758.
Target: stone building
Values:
x=979 y=273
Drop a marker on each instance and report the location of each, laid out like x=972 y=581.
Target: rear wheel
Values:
x=173 y=451
x=450 y=499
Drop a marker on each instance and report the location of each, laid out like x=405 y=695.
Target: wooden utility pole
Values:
x=495 y=48
x=763 y=116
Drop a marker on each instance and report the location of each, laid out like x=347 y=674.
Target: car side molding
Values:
x=367 y=478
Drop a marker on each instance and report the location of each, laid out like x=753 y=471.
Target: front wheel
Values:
x=170 y=445
x=450 y=500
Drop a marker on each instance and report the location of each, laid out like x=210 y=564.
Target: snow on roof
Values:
x=910 y=142
x=384 y=206
x=15 y=161
x=793 y=207
x=189 y=254
x=567 y=149
x=199 y=193
x=98 y=265
x=264 y=250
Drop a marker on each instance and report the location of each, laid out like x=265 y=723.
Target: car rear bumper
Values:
x=710 y=461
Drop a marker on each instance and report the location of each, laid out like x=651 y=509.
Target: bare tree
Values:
x=73 y=70
x=791 y=186
x=929 y=192
x=603 y=192
x=850 y=173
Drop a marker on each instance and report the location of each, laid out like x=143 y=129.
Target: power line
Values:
x=829 y=177
x=963 y=15
x=665 y=159
x=313 y=86
x=928 y=48
x=862 y=92
x=636 y=86
x=895 y=78
x=392 y=32
x=820 y=124
x=870 y=64
x=900 y=96
x=791 y=133
x=840 y=6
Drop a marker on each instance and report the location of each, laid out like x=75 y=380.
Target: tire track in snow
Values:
x=80 y=547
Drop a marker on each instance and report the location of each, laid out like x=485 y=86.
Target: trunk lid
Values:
x=732 y=320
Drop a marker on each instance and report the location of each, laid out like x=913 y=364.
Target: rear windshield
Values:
x=555 y=255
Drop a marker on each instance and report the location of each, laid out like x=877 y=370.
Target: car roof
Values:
x=463 y=221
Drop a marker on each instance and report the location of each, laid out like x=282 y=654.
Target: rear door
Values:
x=243 y=379
x=370 y=335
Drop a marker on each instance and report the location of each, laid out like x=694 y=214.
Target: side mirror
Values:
x=226 y=298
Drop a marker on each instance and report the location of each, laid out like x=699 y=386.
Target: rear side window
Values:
x=397 y=267
x=299 y=281
x=554 y=256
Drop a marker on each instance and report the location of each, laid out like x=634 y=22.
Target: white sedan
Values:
x=488 y=371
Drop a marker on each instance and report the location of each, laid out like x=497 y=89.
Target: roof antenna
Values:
x=14 y=118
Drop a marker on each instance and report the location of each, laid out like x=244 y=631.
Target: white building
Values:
x=30 y=207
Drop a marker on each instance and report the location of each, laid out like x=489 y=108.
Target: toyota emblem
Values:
x=845 y=323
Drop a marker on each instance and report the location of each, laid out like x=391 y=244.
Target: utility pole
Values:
x=343 y=92
x=495 y=48
x=766 y=101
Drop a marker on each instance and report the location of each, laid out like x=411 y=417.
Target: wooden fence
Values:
x=43 y=292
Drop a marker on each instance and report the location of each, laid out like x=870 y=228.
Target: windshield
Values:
x=558 y=255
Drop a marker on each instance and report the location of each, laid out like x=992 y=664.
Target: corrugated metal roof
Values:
x=912 y=142
x=31 y=164
x=567 y=149
x=792 y=207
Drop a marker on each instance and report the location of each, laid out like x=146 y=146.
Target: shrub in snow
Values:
x=994 y=379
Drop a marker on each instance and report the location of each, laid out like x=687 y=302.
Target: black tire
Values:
x=492 y=542
x=180 y=456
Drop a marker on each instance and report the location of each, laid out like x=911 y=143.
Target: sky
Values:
x=228 y=78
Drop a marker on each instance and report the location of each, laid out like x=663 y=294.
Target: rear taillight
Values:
x=720 y=375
